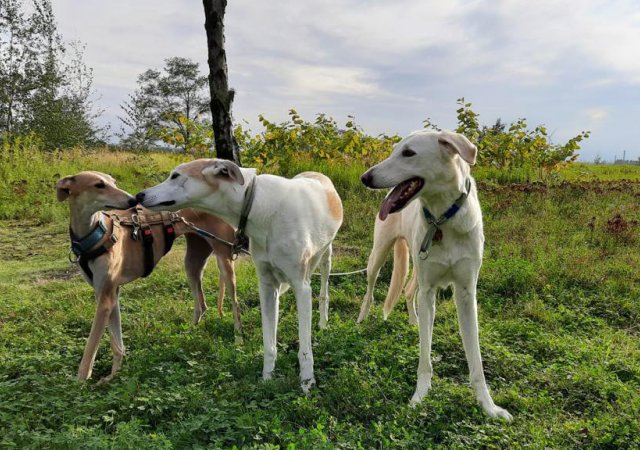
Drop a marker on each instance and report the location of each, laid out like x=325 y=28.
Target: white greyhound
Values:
x=291 y=225
x=446 y=238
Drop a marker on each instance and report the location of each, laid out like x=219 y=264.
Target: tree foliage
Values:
x=515 y=145
x=168 y=106
x=45 y=86
x=502 y=146
x=320 y=139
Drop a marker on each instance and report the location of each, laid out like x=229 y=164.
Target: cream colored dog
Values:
x=291 y=226
x=433 y=168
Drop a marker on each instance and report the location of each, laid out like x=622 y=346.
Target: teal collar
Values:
x=434 y=233
x=86 y=243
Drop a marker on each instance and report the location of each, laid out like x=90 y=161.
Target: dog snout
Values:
x=140 y=197
x=367 y=178
x=132 y=202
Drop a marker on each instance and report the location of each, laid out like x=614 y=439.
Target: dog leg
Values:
x=398 y=276
x=105 y=298
x=117 y=344
x=269 y=303
x=305 y=354
x=465 y=297
x=221 y=289
x=325 y=270
x=410 y=294
x=381 y=247
x=228 y=276
x=426 y=314
x=195 y=260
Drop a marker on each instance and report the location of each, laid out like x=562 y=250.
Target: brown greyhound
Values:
x=124 y=259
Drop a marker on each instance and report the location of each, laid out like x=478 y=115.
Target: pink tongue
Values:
x=385 y=208
x=390 y=201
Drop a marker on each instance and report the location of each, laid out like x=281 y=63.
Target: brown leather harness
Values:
x=100 y=240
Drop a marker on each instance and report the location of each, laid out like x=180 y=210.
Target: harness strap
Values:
x=434 y=233
x=169 y=231
x=241 y=240
x=82 y=248
x=142 y=231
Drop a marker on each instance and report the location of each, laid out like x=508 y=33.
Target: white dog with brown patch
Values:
x=291 y=224
x=446 y=238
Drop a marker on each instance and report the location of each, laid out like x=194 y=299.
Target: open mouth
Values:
x=167 y=203
x=400 y=196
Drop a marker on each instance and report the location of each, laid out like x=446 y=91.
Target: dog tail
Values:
x=399 y=274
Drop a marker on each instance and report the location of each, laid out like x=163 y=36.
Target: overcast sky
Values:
x=570 y=65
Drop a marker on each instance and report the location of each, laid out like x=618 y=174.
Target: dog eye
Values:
x=101 y=185
x=174 y=176
x=408 y=152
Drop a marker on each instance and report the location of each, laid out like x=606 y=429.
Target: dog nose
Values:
x=133 y=202
x=140 y=197
x=367 y=178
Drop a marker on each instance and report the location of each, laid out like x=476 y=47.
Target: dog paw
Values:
x=105 y=380
x=197 y=317
x=307 y=385
x=420 y=393
x=498 y=413
x=416 y=399
x=266 y=376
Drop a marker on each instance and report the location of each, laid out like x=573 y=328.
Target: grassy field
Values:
x=559 y=306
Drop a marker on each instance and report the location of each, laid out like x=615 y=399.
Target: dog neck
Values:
x=232 y=211
x=439 y=200
x=80 y=218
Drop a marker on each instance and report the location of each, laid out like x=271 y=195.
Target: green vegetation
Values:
x=45 y=87
x=558 y=306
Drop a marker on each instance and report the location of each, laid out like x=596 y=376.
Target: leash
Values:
x=235 y=247
x=240 y=242
x=434 y=232
x=341 y=274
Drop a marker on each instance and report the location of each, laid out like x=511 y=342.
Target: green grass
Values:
x=558 y=307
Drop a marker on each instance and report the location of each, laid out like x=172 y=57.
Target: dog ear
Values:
x=63 y=187
x=459 y=144
x=234 y=172
x=222 y=167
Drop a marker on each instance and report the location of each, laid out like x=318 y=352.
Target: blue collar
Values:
x=434 y=224
x=86 y=243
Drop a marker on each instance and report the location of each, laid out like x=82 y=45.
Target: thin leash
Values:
x=234 y=247
x=241 y=240
x=341 y=274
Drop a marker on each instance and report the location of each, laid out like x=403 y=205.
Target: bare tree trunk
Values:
x=221 y=95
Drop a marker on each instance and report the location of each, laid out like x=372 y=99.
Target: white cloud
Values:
x=391 y=63
x=311 y=80
x=597 y=114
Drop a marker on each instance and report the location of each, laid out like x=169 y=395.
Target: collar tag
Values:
x=434 y=232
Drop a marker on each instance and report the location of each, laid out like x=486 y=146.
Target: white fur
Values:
x=291 y=231
x=455 y=260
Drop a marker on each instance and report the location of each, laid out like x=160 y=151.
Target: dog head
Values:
x=93 y=191
x=208 y=184
x=423 y=160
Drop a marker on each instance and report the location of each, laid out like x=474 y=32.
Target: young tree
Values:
x=221 y=95
x=42 y=89
x=164 y=102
